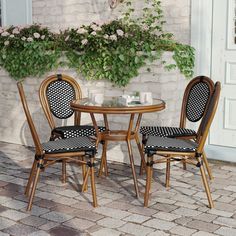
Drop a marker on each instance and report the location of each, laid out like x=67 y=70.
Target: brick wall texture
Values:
x=60 y=14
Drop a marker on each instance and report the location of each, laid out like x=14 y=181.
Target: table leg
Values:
x=131 y=158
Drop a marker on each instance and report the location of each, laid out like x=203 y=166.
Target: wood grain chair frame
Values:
x=51 y=152
x=172 y=149
x=194 y=105
x=55 y=93
x=46 y=103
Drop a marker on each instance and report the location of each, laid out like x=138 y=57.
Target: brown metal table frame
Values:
x=119 y=135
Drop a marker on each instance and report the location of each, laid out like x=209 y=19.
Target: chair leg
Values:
x=184 y=164
x=85 y=183
x=205 y=183
x=63 y=179
x=142 y=162
x=148 y=179
x=103 y=160
x=39 y=166
x=27 y=189
x=167 y=173
x=84 y=175
x=204 y=157
x=92 y=176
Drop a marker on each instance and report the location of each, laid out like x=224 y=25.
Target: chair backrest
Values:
x=208 y=117
x=39 y=150
x=195 y=100
x=55 y=93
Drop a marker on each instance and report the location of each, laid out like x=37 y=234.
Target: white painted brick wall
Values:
x=61 y=14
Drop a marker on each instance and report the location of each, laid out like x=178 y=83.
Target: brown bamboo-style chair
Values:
x=172 y=149
x=51 y=152
x=55 y=93
x=195 y=101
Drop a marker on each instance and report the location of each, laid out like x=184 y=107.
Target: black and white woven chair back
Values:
x=60 y=93
x=197 y=101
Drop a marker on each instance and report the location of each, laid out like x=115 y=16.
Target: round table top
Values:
x=112 y=105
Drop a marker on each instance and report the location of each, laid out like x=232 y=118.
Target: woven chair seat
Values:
x=69 y=145
x=76 y=131
x=155 y=143
x=163 y=131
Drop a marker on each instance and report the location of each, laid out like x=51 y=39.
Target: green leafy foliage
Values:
x=113 y=50
x=28 y=51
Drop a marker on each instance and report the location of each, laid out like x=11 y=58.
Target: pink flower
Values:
x=23 y=38
x=12 y=36
x=106 y=36
x=84 y=41
x=82 y=31
x=113 y=37
x=15 y=31
x=36 y=35
x=43 y=37
x=30 y=39
x=1 y=30
x=4 y=34
x=93 y=33
x=120 y=32
x=145 y=27
x=6 y=43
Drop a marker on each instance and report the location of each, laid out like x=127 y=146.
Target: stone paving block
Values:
x=120 y=205
x=33 y=221
x=5 y=223
x=183 y=220
x=225 y=231
x=89 y=215
x=37 y=211
x=4 y=234
x=49 y=225
x=4 y=199
x=142 y=210
x=56 y=216
x=187 y=205
x=186 y=212
x=225 y=221
x=181 y=230
x=15 y=204
x=205 y=217
x=164 y=207
x=202 y=233
x=79 y=224
x=14 y=215
x=158 y=233
x=39 y=233
x=220 y=213
x=203 y=226
x=166 y=216
x=19 y=230
x=114 y=213
x=231 y=188
x=106 y=231
x=159 y=224
x=64 y=231
x=135 y=218
x=135 y=229
x=225 y=207
x=112 y=223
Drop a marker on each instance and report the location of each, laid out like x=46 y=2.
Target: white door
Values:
x=223 y=130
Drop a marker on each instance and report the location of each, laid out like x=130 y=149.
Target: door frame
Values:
x=201 y=39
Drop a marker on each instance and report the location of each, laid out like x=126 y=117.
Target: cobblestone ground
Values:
x=61 y=209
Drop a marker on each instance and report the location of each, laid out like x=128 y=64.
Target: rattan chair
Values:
x=55 y=93
x=48 y=153
x=172 y=149
x=195 y=100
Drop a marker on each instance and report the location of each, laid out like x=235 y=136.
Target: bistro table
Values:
x=111 y=105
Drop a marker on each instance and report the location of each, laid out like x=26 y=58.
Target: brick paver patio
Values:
x=61 y=209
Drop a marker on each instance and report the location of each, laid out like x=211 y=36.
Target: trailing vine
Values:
x=113 y=50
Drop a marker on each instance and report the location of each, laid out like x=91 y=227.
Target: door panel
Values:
x=223 y=130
